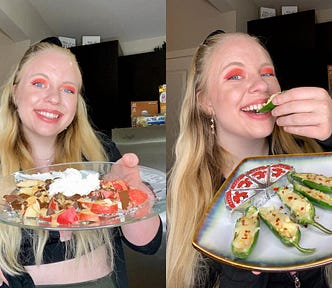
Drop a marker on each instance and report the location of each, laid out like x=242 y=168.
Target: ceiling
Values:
x=228 y=5
x=302 y=4
x=124 y=20
x=128 y=20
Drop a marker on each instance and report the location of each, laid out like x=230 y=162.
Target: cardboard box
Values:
x=144 y=108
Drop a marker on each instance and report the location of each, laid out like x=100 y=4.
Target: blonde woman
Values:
x=231 y=75
x=44 y=121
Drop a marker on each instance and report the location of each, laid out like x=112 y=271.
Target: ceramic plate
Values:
x=215 y=232
x=154 y=179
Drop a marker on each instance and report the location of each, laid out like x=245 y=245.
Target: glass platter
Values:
x=215 y=231
x=152 y=178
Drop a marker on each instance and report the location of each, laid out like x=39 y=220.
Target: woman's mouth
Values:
x=253 y=108
x=48 y=114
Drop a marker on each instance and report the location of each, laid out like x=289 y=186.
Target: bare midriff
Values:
x=89 y=267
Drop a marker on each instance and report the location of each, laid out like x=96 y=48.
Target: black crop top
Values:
x=55 y=250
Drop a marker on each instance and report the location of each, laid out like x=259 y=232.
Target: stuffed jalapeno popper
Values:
x=316 y=196
x=301 y=209
x=315 y=181
x=246 y=233
x=283 y=227
x=268 y=106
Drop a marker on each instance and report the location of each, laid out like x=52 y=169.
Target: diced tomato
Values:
x=137 y=197
x=102 y=207
x=86 y=203
x=117 y=184
x=68 y=216
x=109 y=194
x=54 y=205
x=43 y=215
x=45 y=218
x=87 y=215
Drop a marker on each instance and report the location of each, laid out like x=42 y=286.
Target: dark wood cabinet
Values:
x=324 y=40
x=111 y=81
x=99 y=65
x=294 y=47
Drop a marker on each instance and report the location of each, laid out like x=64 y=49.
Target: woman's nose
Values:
x=53 y=95
x=258 y=84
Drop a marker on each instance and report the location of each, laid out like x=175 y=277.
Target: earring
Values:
x=212 y=126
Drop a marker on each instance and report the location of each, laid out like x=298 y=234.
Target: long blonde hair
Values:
x=197 y=172
x=77 y=143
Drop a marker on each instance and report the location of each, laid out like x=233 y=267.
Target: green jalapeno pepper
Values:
x=316 y=196
x=302 y=210
x=246 y=233
x=268 y=106
x=315 y=181
x=283 y=227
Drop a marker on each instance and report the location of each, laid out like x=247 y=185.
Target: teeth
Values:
x=48 y=114
x=252 y=107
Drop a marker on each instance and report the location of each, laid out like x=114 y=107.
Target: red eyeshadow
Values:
x=268 y=70
x=234 y=72
x=71 y=88
x=39 y=80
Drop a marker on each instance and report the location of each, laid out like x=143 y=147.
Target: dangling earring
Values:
x=212 y=126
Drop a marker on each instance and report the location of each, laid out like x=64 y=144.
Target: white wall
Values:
x=10 y=54
x=21 y=22
x=323 y=15
x=141 y=46
x=188 y=22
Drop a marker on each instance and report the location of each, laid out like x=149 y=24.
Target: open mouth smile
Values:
x=253 y=108
x=48 y=114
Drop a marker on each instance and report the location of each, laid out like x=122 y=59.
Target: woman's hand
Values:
x=142 y=232
x=128 y=171
x=304 y=111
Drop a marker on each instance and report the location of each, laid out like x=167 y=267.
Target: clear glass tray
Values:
x=152 y=178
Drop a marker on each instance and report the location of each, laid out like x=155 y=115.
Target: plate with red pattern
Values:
x=254 y=182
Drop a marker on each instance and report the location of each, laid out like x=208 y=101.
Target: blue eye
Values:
x=267 y=74
x=66 y=90
x=69 y=89
x=235 y=74
x=235 y=77
x=40 y=83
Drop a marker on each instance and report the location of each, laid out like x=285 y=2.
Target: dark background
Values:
x=112 y=81
x=300 y=48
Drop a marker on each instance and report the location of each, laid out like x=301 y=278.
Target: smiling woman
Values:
x=231 y=76
x=44 y=121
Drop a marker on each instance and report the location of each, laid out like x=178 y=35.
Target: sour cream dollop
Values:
x=73 y=182
x=68 y=182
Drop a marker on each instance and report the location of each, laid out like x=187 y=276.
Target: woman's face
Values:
x=46 y=94
x=240 y=76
